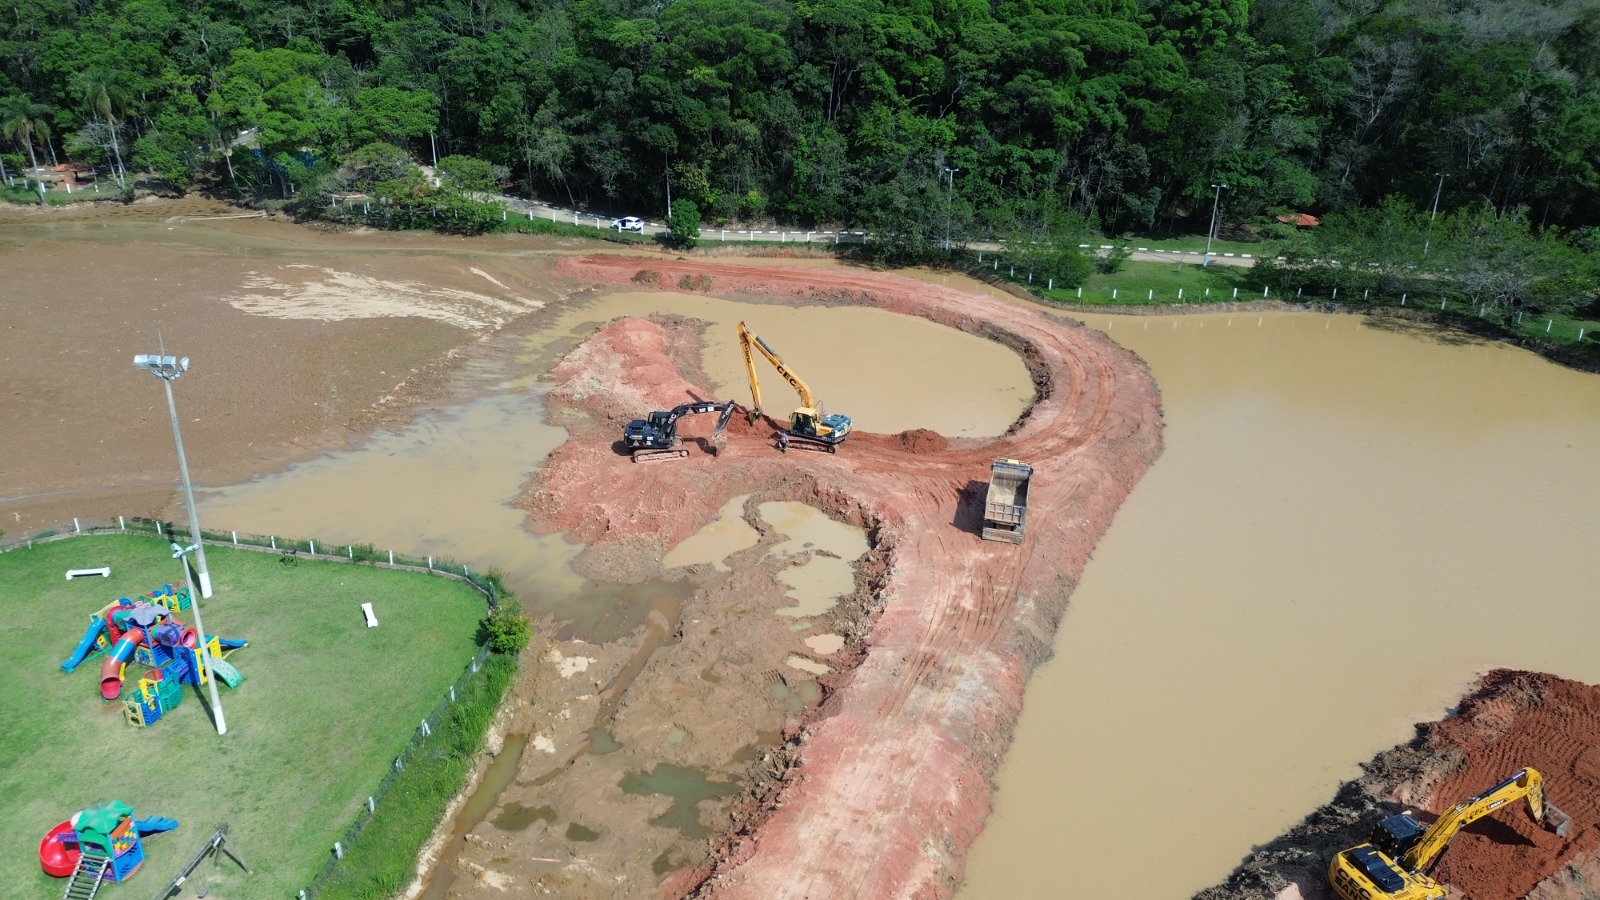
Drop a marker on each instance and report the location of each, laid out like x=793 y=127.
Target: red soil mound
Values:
x=922 y=440
x=1511 y=720
x=1519 y=719
x=892 y=782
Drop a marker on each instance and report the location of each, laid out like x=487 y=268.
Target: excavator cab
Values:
x=1396 y=835
x=807 y=422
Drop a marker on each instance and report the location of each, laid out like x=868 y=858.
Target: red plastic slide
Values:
x=56 y=858
x=111 y=669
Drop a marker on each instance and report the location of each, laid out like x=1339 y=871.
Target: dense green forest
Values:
x=985 y=117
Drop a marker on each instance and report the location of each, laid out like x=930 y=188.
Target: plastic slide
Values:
x=225 y=672
x=111 y=669
x=84 y=646
x=154 y=825
x=228 y=643
x=56 y=858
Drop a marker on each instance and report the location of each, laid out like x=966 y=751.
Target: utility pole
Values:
x=1211 y=231
x=949 y=191
x=1436 y=191
x=666 y=171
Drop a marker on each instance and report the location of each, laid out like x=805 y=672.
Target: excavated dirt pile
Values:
x=889 y=778
x=1509 y=721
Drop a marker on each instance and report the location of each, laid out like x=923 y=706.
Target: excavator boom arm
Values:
x=747 y=339
x=1526 y=783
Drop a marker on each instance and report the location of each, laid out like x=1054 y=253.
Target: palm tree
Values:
x=105 y=98
x=20 y=120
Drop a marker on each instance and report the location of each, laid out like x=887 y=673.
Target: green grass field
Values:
x=325 y=707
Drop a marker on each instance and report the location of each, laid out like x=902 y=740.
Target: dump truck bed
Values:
x=1005 y=507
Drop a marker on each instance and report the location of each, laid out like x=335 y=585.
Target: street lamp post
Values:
x=948 y=193
x=168 y=369
x=1211 y=229
x=181 y=553
x=1436 y=191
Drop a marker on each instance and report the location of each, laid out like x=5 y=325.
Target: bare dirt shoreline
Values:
x=890 y=783
x=1508 y=721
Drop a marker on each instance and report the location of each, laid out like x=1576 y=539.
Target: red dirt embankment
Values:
x=1518 y=719
x=1509 y=721
x=892 y=781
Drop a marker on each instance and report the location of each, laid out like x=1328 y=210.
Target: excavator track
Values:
x=646 y=456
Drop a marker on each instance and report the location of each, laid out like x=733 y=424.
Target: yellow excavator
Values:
x=809 y=426
x=1395 y=863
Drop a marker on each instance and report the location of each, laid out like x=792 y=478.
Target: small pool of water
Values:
x=687 y=787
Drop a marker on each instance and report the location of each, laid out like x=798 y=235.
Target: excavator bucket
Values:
x=1556 y=821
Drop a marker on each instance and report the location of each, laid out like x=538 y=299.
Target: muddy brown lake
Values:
x=1351 y=519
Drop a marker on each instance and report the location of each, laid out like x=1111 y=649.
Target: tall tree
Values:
x=20 y=120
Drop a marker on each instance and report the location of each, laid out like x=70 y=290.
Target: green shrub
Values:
x=506 y=628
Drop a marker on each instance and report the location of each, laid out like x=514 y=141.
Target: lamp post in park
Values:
x=181 y=553
x=168 y=368
x=1211 y=231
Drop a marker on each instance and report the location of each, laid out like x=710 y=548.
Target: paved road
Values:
x=534 y=209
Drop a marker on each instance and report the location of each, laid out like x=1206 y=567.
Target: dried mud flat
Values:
x=878 y=790
x=1510 y=720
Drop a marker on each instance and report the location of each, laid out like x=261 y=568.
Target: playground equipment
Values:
x=98 y=844
x=215 y=846
x=145 y=632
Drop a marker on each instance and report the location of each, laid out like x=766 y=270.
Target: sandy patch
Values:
x=329 y=295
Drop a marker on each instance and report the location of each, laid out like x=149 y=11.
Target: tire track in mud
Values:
x=891 y=785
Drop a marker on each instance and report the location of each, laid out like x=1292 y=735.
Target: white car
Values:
x=629 y=223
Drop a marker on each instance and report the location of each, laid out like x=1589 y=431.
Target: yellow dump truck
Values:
x=1005 y=507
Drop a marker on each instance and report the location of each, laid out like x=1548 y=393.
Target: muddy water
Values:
x=1349 y=521
x=724 y=535
x=889 y=373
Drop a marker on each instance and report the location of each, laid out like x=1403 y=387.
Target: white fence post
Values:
x=1113 y=293
x=372 y=805
x=338 y=850
x=236 y=538
x=273 y=539
x=75 y=527
x=121 y=525
x=430 y=564
x=313 y=547
x=391 y=557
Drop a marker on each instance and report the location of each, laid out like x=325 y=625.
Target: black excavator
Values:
x=656 y=437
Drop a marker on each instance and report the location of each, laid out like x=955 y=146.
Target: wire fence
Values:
x=1550 y=329
x=294 y=550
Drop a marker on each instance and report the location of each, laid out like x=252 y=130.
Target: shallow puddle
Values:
x=1350 y=520
x=724 y=535
x=687 y=788
x=500 y=772
x=825 y=644
x=516 y=817
x=815 y=586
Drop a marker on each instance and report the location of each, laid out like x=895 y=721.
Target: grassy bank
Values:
x=326 y=705
x=383 y=860
x=1188 y=285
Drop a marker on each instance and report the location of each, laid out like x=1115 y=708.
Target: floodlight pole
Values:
x=1434 y=214
x=207 y=669
x=202 y=573
x=1212 y=229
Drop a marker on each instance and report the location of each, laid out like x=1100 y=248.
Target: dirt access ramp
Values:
x=1510 y=720
x=892 y=779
